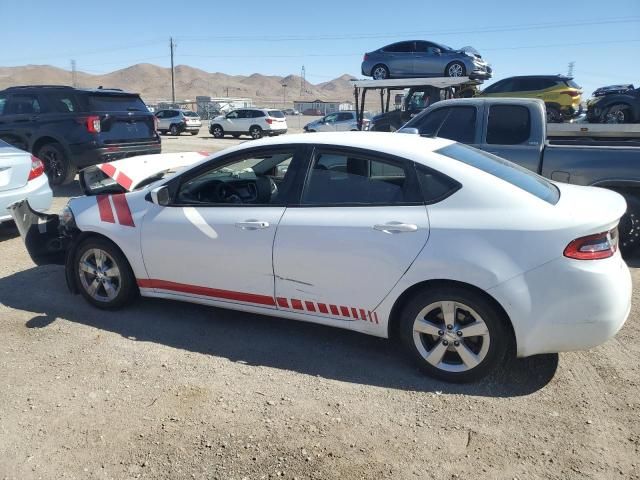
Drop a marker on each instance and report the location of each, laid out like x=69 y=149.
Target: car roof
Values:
x=549 y=77
x=67 y=87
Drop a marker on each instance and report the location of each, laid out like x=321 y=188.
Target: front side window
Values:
x=252 y=179
x=338 y=178
x=508 y=125
x=504 y=170
x=160 y=114
x=232 y=115
x=454 y=123
x=331 y=118
x=345 y=117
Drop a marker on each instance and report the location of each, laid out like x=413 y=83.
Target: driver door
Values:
x=213 y=242
x=329 y=124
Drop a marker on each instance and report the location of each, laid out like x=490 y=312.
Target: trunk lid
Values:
x=15 y=166
x=590 y=209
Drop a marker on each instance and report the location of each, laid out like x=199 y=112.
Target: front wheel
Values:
x=454 y=334
x=103 y=274
x=455 y=69
x=617 y=114
x=255 y=132
x=57 y=165
x=217 y=131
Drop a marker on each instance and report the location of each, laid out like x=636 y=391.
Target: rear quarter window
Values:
x=116 y=103
x=504 y=170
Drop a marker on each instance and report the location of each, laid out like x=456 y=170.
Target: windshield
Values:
x=504 y=170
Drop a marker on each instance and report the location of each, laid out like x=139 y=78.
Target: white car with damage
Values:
x=462 y=255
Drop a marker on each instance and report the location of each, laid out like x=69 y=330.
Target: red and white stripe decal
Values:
x=121 y=207
x=281 y=302
x=119 y=176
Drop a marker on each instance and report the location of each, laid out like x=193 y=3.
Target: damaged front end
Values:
x=46 y=236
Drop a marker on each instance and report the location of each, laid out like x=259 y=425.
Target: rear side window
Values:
x=339 y=178
x=508 y=125
x=23 y=104
x=3 y=101
x=435 y=186
x=189 y=113
x=504 y=170
x=402 y=47
x=62 y=102
x=572 y=84
x=116 y=103
x=276 y=114
x=454 y=123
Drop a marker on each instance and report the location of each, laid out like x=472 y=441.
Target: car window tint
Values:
x=429 y=124
x=423 y=47
x=253 y=179
x=455 y=123
x=3 y=101
x=189 y=113
x=276 y=114
x=508 y=125
x=62 y=102
x=435 y=185
x=572 y=84
x=339 y=178
x=116 y=103
x=401 y=47
x=504 y=170
x=342 y=117
x=23 y=104
x=233 y=114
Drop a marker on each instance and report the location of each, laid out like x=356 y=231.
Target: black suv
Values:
x=70 y=128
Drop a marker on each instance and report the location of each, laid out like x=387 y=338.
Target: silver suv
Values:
x=176 y=121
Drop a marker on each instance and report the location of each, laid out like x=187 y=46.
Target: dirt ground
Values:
x=163 y=390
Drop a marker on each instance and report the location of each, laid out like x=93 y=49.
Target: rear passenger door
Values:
x=20 y=119
x=360 y=223
x=399 y=58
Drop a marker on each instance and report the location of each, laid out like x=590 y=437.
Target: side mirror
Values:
x=160 y=196
x=409 y=130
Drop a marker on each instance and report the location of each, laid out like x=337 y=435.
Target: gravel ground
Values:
x=164 y=390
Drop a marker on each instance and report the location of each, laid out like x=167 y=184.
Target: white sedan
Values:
x=462 y=255
x=21 y=176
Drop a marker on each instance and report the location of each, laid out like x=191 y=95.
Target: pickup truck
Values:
x=516 y=129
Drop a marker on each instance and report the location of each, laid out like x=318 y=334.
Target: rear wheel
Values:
x=455 y=69
x=629 y=226
x=103 y=274
x=380 y=72
x=255 y=132
x=194 y=133
x=174 y=130
x=553 y=115
x=56 y=164
x=617 y=114
x=454 y=334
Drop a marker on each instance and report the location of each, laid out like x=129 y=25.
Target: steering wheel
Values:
x=226 y=193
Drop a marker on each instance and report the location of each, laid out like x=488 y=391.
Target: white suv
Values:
x=176 y=121
x=255 y=122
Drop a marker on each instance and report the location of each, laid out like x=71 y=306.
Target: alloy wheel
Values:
x=451 y=336
x=455 y=70
x=99 y=275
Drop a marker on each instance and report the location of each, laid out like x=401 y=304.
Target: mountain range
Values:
x=154 y=83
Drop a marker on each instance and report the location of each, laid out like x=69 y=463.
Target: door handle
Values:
x=396 y=227
x=252 y=225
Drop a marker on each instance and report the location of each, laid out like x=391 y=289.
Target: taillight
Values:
x=93 y=124
x=37 y=168
x=593 y=247
x=571 y=93
x=366 y=57
x=269 y=121
x=155 y=123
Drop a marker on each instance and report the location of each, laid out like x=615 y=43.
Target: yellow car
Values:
x=561 y=95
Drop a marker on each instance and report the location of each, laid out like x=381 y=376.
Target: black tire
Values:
x=195 y=133
x=629 y=227
x=492 y=353
x=126 y=286
x=616 y=114
x=174 y=130
x=57 y=165
x=217 y=131
x=455 y=69
x=553 y=114
x=256 y=132
x=380 y=72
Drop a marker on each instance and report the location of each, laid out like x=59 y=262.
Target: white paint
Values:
x=196 y=219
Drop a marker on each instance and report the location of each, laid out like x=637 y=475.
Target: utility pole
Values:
x=173 y=83
x=302 y=81
x=284 y=95
x=74 y=74
x=570 y=71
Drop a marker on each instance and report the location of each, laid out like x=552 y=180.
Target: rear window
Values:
x=116 y=103
x=189 y=113
x=504 y=170
x=572 y=84
x=508 y=125
x=276 y=114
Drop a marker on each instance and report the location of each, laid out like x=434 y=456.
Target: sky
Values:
x=328 y=37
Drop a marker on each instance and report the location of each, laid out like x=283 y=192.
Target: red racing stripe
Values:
x=104 y=207
x=354 y=312
x=283 y=302
x=334 y=310
x=363 y=316
x=108 y=169
x=207 y=292
x=297 y=304
x=124 y=180
x=310 y=306
x=344 y=311
x=323 y=308
x=122 y=210
x=375 y=316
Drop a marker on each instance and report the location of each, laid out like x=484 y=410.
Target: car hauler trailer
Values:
x=451 y=87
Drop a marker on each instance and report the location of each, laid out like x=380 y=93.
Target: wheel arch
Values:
x=396 y=310
x=45 y=140
x=79 y=237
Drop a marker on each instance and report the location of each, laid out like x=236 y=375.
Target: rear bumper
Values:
x=86 y=154
x=276 y=131
x=37 y=191
x=567 y=304
x=41 y=233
